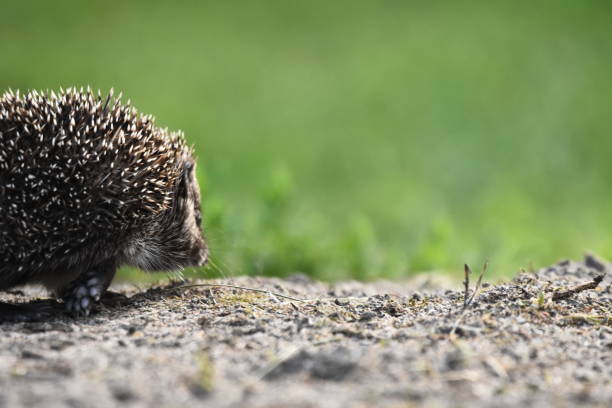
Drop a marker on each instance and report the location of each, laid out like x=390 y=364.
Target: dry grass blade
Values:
x=221 y=285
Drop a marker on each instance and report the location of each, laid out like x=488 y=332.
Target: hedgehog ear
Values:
x=188 y=169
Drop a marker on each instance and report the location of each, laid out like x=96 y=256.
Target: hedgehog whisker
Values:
x=214 y=267
x=231 y=271
x=221 y=271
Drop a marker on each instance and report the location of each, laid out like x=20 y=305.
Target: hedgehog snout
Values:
x=202 y=257
x=199 y=253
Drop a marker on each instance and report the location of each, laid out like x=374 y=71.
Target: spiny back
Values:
x=77 y=168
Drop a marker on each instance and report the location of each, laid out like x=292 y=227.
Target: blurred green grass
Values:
x=359 y=139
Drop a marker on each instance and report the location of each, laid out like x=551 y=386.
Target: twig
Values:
x=466 y=284
x=467 y=301
x=478 y=282
x=576 y=289
x=221 y=285
x=212 y=296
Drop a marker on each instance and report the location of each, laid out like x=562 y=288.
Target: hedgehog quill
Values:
x=88 y=184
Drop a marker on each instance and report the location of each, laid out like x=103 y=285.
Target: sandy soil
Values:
x=349 y=345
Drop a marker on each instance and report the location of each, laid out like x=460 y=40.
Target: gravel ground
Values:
x=350 y=345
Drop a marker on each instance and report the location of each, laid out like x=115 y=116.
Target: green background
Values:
x=359 y=139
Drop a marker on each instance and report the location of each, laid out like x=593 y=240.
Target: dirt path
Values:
x=351 y=345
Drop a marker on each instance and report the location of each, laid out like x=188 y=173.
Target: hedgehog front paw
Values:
x=81 y=297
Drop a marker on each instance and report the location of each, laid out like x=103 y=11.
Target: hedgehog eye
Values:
x=198 y=218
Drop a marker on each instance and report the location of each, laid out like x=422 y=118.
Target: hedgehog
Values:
x=88 y=184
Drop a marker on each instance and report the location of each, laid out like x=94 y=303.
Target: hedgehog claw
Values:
x=82 y=296
x=80 y=301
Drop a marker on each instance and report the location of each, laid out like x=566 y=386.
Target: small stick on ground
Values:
x=577 y=289
x=478 y=282
x=466 y=284
x=467 y=300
